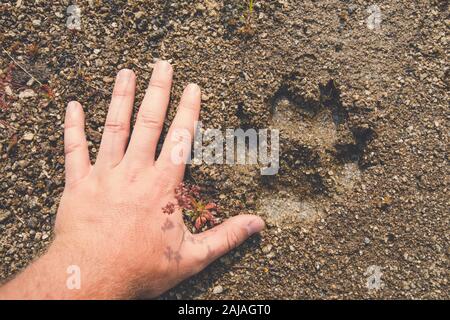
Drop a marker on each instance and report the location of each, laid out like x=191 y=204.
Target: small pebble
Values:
x=29 y=136
x=4 y=215
x=267 y=249
x=27 y=93
x=218 y=289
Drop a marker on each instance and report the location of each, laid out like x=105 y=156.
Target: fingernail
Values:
x=72 y=106
x=192 y=88
x=255 y=226
x=163 y=65
x=124 y=75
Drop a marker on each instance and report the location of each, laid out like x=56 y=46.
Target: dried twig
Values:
x=19 y=218
x=18 y=64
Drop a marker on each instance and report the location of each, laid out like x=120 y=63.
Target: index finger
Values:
x=177 y=145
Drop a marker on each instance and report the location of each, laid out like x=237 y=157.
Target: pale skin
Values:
x=110 y=222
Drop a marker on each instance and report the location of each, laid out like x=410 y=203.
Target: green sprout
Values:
x=248 y=17
x=250 y=7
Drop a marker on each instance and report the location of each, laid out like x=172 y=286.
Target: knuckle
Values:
x=72 y=147
x=190 y=107
x=150 y=120
x=158 y=84
x=122 y=92
x=233 y=238
x=165 y=184
x=116 y=127
x=181 y=135
x=132 y=176
x=72 y=125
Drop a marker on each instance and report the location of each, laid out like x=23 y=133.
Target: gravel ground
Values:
x=362 y=109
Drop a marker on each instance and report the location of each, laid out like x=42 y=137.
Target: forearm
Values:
x=65 y=273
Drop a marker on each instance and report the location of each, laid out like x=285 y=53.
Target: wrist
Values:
x=88 y=272
x=66 y=271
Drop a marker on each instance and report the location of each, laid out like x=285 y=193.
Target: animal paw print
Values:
x=320 y=154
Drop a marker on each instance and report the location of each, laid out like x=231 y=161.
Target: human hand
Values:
x=110 y=222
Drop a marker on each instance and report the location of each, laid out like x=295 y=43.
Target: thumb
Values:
x=217 y=241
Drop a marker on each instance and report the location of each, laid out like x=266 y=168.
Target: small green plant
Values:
x=201 y=214
x=48 y=92
x=248 y=16
x=248 y=19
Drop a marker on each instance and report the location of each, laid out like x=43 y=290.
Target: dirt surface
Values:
x=362 y=112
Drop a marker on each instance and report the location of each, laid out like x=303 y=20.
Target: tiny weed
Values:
x=32 y=50
x=247 y=17
x=48 y=92
x=201 y=214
